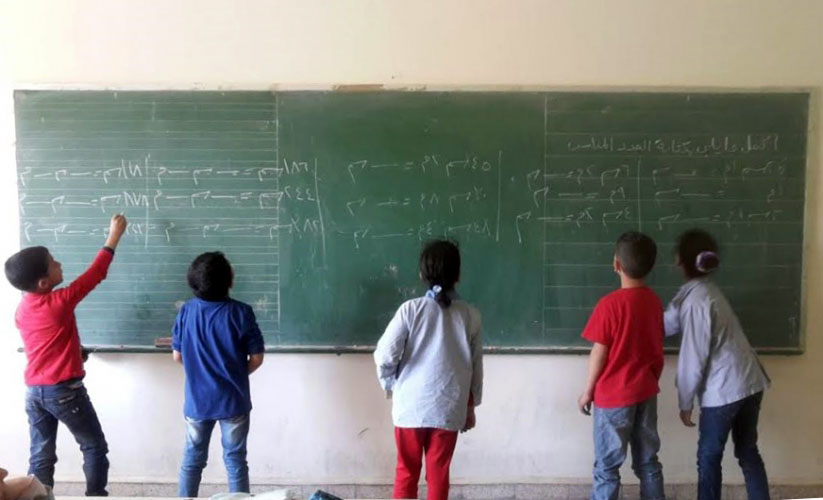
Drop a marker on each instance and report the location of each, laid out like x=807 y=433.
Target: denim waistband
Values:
x=59 y=385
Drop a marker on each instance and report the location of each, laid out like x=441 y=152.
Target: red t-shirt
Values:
x=49 y=330
x=630 y=322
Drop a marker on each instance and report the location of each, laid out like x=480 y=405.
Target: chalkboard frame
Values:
x=812 y=155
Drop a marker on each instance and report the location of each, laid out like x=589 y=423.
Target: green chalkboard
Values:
x=321 y=201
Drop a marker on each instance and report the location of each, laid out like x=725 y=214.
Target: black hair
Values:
x=440 y=266
x=25 y=268
x=636 y=253
x=689 y=247
x=210 y=276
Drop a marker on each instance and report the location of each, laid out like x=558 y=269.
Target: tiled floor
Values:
x=458 y=492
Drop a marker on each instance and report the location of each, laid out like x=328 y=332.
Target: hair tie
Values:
x=437 y=289
x=703 y=259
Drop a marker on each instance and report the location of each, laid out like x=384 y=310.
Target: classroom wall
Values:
x=322 y=418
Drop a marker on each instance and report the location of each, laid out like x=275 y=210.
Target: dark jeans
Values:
x=614 y=430
x=234 y=432
x=66 y=402
x=739 y=419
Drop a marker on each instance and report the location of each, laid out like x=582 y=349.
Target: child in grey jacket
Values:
x=718 y=367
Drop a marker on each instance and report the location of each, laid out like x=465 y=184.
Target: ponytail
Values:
x=706 y=262
x=441 y=296
x=440 y=269
x=697 y=253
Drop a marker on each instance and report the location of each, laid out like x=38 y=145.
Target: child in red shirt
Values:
x=626 y=328
x=54 y=374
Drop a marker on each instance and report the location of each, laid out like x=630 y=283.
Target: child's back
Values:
x=217 y=340
x=431 y=358
x=437 y=361
x=626 y=329
x=630 y=322
x=48 y=327
x=734 y=371
x=718 y=367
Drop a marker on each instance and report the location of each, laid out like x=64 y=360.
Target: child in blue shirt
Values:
x=217 y=340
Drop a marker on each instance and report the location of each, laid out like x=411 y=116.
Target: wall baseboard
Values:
x=519 y=491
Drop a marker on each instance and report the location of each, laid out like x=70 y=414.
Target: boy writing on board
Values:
x=54 y=373
x=626 y=328
x=217 y=340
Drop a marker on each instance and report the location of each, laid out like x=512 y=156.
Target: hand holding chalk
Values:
x=117 y=227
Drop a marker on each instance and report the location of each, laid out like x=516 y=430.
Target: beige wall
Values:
x=321 y=418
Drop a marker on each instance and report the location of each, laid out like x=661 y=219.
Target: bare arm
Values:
x=255 y=360
x=597 y=361
x=86 y=282
x=177 y=356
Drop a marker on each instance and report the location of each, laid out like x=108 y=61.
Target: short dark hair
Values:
x=25 y=268
x=636 y=253
x=690 y=245
x=210 y=276
x=440 y=266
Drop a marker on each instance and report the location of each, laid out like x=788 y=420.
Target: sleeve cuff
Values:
x=109 y=249
x=597 y=341
x=387 y=384
x=256 y=344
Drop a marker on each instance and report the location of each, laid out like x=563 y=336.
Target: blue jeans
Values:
x=614 y=430
x=66 y=402
x=739 y=419
x=196 y=453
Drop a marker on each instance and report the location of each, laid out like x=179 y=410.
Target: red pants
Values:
x=438 y=446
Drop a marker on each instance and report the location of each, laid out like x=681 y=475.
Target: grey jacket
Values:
x=431 y=359
x=717 y=365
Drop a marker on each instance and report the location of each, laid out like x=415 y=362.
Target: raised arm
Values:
x=86 y=282
x=117 y=226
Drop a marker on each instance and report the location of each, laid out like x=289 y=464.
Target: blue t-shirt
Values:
x=215 y=340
